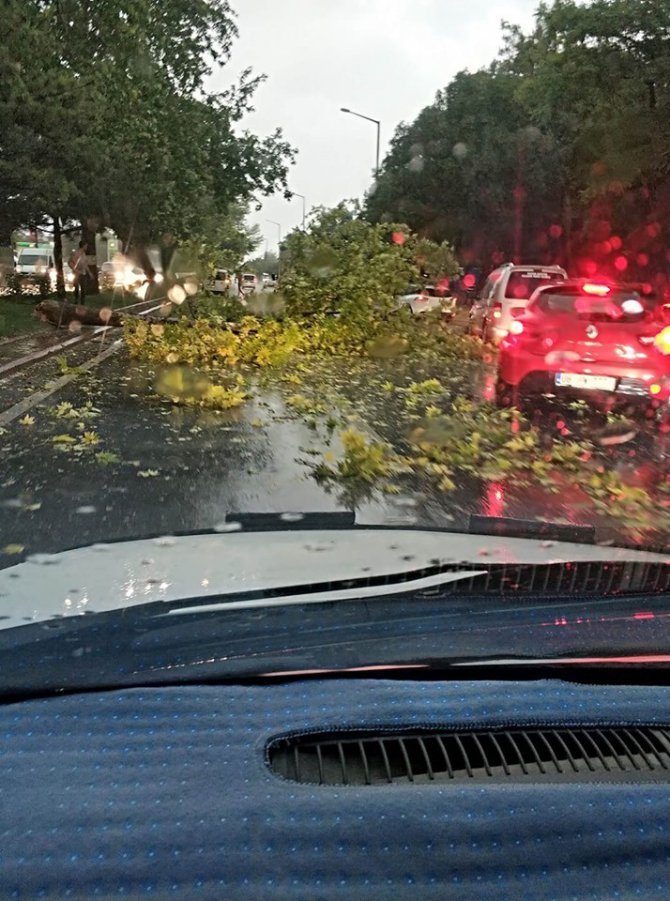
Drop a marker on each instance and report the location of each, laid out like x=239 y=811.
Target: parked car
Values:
x=120 y=275
x=507 y=291
x=430 y=299
x=590 y=339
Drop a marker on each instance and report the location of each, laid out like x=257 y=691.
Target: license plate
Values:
x=590 y=382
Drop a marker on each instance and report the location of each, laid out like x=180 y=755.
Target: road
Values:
x=152 y=468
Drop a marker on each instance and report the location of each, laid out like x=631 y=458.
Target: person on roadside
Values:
x=78 y=263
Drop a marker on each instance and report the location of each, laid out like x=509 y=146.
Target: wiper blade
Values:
x=321 y=596
x=505 y=527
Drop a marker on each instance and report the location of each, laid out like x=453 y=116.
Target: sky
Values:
x=382 y=58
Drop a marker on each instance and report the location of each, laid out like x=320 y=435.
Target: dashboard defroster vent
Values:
x=588 y=754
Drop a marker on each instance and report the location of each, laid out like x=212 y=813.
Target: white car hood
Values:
x=124 y=574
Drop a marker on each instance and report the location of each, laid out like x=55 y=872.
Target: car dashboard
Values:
x=199 y=792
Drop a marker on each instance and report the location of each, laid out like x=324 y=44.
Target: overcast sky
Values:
x=383 y=58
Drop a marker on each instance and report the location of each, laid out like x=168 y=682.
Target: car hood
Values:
x=124 y=574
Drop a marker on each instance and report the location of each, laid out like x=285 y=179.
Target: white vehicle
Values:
x=120 y=274
x=429 y=299
x=220 y=283
x=35 y=262
x=248 y=283
x=506 y=295
x=36 y=269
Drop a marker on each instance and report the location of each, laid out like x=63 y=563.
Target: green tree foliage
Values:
x=594 y=78
x=106 y=119
x=466 y=164
x=344 y=264
x=269 y=263
x=563 y=143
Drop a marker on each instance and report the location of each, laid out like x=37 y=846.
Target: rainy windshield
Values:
x=234 y=198
x=522 y=284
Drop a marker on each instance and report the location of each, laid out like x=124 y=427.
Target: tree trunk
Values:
x=567 y=231
x=63 y=314
x=58 y=258
x=88 y=236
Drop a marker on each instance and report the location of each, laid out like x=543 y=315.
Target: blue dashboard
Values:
x=167 y=793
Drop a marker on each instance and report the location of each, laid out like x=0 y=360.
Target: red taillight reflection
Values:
x=494 y=501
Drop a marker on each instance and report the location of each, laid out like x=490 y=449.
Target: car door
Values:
x=479 y=310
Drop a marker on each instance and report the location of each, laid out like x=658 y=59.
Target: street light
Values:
x=343 y=109
x=295 y=194
x=278 y=224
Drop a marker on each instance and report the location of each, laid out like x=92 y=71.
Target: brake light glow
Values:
x=596 y=290
x=662 y=341
x=516 y=327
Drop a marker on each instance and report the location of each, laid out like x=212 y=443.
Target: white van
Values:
x=36 y=261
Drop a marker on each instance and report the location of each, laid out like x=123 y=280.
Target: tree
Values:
x=558 y=152
x=124 y=133
x=344 y=264
x=595 y=78
x=462 y=170
x=269 y=263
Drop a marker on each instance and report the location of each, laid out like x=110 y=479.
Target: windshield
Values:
x=33 y=259
x=615 y=306
x=521 y=284
x=274 y=344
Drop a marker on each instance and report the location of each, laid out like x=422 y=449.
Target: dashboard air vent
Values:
x=589 y=754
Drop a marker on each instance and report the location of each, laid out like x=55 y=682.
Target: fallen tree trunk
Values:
x=62 y=314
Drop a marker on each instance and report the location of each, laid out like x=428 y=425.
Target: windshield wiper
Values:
x=504 y=527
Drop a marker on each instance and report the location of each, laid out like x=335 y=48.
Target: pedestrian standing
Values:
x=78 y=263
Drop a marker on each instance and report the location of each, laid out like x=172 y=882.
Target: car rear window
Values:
x=624 y=306
x=523 y=282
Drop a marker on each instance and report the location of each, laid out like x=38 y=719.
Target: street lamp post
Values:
x=278 y=224
x=295 y=194
x=343 y=109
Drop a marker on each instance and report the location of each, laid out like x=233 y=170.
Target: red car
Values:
x=584 y=338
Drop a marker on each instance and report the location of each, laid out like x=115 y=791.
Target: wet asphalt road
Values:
x=180 y=469
x=177 y=469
